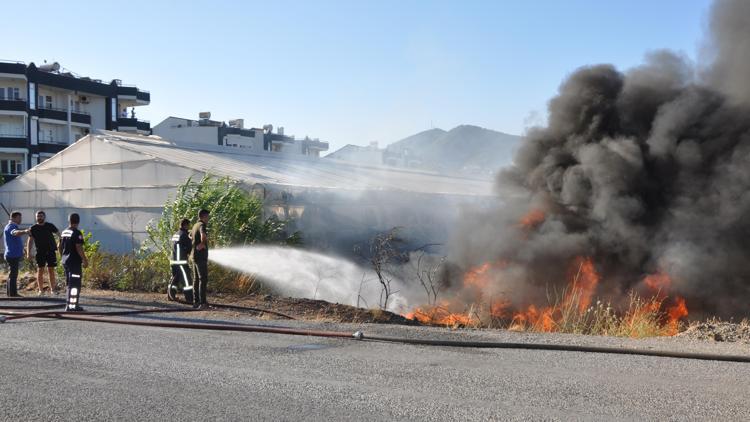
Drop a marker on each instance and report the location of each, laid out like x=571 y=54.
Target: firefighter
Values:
x=181 y=246
x=74 y=260
x=199 y=256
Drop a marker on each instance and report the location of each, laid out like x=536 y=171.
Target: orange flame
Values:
x=675 y=313
x=583 y=282
x=659 y=283
x=532 y=218
x=477 y=277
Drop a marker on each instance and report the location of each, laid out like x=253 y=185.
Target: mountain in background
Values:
x=465 y=149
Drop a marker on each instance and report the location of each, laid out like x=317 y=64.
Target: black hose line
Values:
x=58 y=314
x=11 y=307
x=208 y=326
x=561 y=347
x=62 y=302
x=106 y=317
x=31 y=299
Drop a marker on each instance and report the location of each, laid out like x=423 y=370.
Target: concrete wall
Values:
x=176 y=130
x=253 y=144
x=97 y=108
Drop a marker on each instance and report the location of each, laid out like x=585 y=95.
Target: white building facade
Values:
x=207 y=132
x=44 y=109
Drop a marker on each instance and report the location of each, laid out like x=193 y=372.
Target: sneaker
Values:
x=39 y=293
x=75 y=309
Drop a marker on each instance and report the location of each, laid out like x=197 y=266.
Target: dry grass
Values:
x=566 y=313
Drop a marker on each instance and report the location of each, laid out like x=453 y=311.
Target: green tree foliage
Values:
x=236 y=216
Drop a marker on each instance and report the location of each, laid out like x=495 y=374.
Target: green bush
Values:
x=236 y=216
x=236 y=219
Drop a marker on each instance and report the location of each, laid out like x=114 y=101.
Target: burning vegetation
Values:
x=571 y=310
x=628 y=208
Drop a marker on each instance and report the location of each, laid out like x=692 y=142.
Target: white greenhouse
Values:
x=118 y=183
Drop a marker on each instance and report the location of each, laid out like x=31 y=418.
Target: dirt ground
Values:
x=318 y=310
x=302 y=309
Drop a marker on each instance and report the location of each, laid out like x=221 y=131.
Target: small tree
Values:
x=382 y=253
x=428 y=270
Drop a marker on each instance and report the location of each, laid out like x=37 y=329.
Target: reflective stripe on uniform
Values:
x=185 y=279
x=178 y=262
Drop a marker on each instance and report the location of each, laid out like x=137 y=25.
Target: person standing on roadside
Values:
x=13 y=251
x=42 y=234
x=199 y=255
x=181 y=247
x=74 y=260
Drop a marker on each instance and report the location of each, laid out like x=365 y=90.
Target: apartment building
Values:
x=233 y=134
x=43 y=109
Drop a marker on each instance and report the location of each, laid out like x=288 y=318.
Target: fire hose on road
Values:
x=107 y=317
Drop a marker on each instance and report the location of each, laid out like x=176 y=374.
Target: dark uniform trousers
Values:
x=73 y=276
x=200 y=275
x=181 y=272
x=13 y=276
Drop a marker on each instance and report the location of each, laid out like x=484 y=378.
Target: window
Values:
x=13 y=94
x=11 y=167
x=48 y=101
x=113 y=107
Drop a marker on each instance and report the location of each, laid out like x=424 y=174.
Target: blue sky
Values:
x=349 y=71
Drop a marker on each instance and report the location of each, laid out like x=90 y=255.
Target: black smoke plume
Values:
x=644 y=171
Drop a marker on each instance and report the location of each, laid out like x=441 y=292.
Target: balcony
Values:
x=17 y=68
x=130 y=91
x=13 y=140
x=52 y=140
x=16 y=104
x=129 y=124
x=57 y=113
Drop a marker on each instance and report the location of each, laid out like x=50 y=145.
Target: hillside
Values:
x=463 y=149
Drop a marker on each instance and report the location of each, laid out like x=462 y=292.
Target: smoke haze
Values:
x=645 y=171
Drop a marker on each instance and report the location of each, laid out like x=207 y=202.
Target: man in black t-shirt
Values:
x=42 y=235
x=181 y=246
x=73 y=260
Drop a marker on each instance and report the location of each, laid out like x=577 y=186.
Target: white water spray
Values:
x=311 y=275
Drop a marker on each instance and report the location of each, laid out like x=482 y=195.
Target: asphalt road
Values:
x=70 y=370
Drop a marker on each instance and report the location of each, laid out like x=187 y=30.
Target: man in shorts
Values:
x=42 y=235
